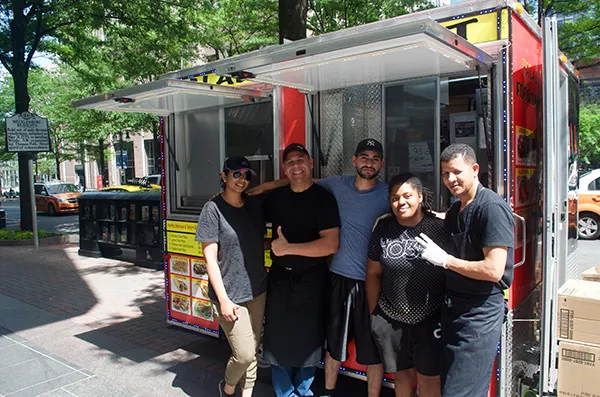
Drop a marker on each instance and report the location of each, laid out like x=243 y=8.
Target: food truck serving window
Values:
x=202 y=139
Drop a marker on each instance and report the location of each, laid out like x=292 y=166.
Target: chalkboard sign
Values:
x=27 y=132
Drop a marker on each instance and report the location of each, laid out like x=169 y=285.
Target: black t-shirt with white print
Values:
x=411 y=287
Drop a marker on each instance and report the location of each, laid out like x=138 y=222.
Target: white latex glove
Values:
x=431 y=251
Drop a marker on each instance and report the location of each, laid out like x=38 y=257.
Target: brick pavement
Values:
x=104 y=320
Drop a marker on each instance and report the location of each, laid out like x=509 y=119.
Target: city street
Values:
x=63 y=224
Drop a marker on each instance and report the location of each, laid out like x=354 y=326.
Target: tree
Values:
x=232 y=27
x=589 y=133
x=27 y=26
x=331 y=15
x=578 y=35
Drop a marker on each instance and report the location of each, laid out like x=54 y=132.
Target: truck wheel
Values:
x=589 y=226
x=51 y=210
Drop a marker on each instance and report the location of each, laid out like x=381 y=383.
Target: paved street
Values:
x=64 y=224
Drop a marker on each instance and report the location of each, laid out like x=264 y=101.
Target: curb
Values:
x=57 y=240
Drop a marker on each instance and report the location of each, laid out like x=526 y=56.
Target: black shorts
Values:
x=348 y=318
x=405 y=346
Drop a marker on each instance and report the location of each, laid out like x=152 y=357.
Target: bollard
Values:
x=2 y=219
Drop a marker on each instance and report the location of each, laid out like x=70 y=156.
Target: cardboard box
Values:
x=578 y=370
x=579 y=311
x=592 y=274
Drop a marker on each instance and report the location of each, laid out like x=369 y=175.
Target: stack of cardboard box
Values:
x=579 y=336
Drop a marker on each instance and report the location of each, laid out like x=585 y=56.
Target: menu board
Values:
x=187 y=277
x=188 y=291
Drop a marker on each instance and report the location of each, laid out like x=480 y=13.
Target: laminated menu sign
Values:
x=182 y=243
x=188 y=292
x=26 y=132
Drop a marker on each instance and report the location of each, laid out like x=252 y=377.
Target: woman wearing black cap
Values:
x=231 y=228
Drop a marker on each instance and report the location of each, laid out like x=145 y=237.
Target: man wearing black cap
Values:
x=305 y=231
x=361 y=199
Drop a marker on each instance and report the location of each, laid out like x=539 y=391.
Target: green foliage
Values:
x=9 y=234
x=589 y=133
x=234 y=27
x=578 y=38
x=331 y=15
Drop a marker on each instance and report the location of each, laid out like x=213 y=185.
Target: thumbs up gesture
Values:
x=280 y=246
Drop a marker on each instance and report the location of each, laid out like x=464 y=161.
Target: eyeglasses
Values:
x=238 y=174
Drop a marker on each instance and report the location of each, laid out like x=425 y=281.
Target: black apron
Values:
x=294 y=331
x=471 y=327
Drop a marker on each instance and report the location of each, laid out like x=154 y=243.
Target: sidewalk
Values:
x=87 y=327
x=76 y=326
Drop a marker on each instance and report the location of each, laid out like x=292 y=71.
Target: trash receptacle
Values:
x=113 y=222
x=2 y=218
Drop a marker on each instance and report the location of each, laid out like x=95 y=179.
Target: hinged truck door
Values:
x=552 y=166
x=385 y=51
x=168 y=96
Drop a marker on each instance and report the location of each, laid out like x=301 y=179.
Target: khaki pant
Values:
x=244 y=338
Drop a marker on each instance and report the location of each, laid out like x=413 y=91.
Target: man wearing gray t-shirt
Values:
x=361 y=200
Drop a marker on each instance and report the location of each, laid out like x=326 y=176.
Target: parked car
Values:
x=150 y=182
x=56 y=197
x=589 y=205
x=11 y=193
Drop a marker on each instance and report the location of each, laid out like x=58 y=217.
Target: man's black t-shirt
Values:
x=412 y=289
x=491 y=224
x=301 y=217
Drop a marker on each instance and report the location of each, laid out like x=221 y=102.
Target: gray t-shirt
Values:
x=359 y=209
x=240 y=235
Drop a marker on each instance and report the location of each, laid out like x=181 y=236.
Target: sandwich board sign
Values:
x=26 y=132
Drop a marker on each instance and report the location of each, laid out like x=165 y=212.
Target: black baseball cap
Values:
x=294 y=147
x=236 y=163
x=369 y=144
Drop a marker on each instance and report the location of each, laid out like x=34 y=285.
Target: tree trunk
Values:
x=292 y=19
x=20 y=72
x=57 y=159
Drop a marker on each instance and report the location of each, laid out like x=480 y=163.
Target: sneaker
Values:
x=222 y=389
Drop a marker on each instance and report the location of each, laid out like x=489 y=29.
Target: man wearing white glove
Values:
x=482 y=229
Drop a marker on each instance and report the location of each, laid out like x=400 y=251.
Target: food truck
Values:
x=479 y=72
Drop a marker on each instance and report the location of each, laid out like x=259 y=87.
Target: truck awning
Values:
x=384 y=51
x=163 y=97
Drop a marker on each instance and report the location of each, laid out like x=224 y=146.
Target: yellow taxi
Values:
x=56 y=197
x=589 y=205
x=150 y=182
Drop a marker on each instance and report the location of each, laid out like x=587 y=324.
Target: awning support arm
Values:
x=486 y=131
x=315 y=133
x=171 y=152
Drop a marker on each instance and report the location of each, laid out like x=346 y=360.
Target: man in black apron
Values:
x=306 y=225
x=479 y=270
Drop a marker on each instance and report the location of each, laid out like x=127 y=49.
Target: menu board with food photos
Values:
x=188 y=287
